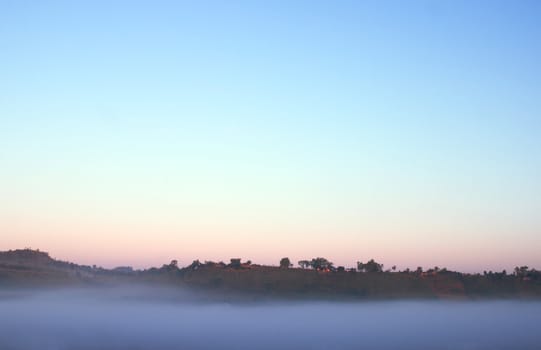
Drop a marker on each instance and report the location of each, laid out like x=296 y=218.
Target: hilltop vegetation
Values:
x=317 y=278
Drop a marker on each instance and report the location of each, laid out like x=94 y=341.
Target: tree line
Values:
x=370 y=266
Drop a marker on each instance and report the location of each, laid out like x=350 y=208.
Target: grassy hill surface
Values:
x=32 y=268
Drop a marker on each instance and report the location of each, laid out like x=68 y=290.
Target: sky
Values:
x=136 y=132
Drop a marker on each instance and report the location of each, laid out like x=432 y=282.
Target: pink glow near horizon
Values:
x=153 y=251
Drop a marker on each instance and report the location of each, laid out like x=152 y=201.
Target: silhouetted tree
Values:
x=285 y=263
x=235 y=263
x=521 y=271
x=370 y=266
x=195 y=265
x=173 y=265
x=304 y=264
x=321 y=264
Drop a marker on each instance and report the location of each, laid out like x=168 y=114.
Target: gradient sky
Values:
x=136 y=132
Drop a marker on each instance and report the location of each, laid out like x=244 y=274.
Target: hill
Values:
x=32 y=268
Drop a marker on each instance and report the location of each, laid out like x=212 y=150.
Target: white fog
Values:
x=132 y=318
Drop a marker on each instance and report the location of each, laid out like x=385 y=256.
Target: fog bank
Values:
x=165 y=319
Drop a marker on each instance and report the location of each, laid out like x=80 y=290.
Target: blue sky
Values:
x=409 y=132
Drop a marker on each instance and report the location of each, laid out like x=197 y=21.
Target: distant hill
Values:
x=27 y=267
x=26 y=257
x=33 y=268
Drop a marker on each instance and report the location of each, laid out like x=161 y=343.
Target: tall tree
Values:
x=285 y=263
